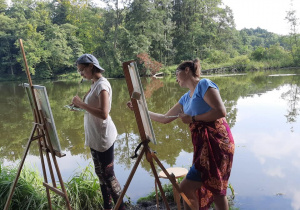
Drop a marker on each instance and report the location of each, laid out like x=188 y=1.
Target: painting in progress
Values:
x=44 y=106
x=138 y=94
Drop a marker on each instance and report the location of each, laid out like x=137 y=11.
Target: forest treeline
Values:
x=156 y=33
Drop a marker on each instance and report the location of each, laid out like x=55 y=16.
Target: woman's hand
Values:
x=129 y=105
x=76 y=101
x=186 y=119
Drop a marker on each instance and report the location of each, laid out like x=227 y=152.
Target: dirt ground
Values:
x=151 y=206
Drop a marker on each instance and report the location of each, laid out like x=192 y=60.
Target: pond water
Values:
x=262 y=110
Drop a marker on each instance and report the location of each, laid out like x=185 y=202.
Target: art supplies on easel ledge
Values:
x=146 y=132
x=44 y=132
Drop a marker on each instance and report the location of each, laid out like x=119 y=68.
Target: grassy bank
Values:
x=241 y=63
x=150 y=199
x=82 y=188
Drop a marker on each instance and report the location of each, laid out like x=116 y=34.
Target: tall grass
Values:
x=29 y=192
x=83 y=190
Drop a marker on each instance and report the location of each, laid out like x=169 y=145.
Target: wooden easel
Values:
x=150 y=155
x=40 y=133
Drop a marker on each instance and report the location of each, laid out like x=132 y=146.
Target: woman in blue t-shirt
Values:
x=203 y=109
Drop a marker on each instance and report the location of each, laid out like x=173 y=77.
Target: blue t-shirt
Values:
x=196 y=105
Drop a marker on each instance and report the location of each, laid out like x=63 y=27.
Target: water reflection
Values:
x=262 y=110
x=270 y=151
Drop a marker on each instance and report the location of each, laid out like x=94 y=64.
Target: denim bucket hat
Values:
x=88 y=58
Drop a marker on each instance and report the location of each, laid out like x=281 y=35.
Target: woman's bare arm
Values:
x=168 y=117
x=101 y=112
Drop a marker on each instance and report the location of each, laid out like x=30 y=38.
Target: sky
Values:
x=265 y=14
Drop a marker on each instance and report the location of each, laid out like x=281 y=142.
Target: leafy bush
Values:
x=254 y=65
x=147 y=65
x=296 y=53
x=275 y=52
x=217 y=56
x=259 y=53
x=168 y=70
x=241 y=62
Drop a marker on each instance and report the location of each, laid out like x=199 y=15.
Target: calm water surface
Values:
x=262 y=109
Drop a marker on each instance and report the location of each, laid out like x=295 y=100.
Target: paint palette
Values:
x=74 y=108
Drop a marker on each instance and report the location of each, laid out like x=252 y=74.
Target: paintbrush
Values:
x=79 y=83
x=174 y=116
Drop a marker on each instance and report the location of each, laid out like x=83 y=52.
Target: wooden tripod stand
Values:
x=150 y=155
x=40 y=133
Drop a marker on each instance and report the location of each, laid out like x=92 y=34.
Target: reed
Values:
x=83 y=190
x=29 y=192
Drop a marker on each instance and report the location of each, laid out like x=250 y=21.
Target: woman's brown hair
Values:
x=194 y=66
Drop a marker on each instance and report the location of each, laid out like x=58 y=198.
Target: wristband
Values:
x=193 y=119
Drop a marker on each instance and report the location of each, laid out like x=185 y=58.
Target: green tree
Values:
x=139 y=24
x=258 y=53
x=7 y=49
x=60 y=11
x=276 y=52
x=23 y=12
x=200 y=27
x=294 y=36
x=63 y=47
x=3 y=6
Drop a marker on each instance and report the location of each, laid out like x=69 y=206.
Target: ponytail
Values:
x=194 y=66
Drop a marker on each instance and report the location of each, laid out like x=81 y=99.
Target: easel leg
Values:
x=159 y=185
x=64 y=192
x=129 y=179
x=61 y=182
x=156 y=194
x=13 y=186
x=176 y=198
x=44 y=173
x=173 y=181
x=50 y=169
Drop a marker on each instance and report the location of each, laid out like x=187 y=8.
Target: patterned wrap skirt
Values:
x=213 y=156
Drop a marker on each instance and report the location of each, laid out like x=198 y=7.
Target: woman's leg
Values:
x=189 y=187
x=221 y=202
x=104 y=168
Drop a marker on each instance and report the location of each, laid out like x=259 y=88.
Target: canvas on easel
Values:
x=143 y=120
x=44 y=132
x=138 y=94
x=44 y=106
